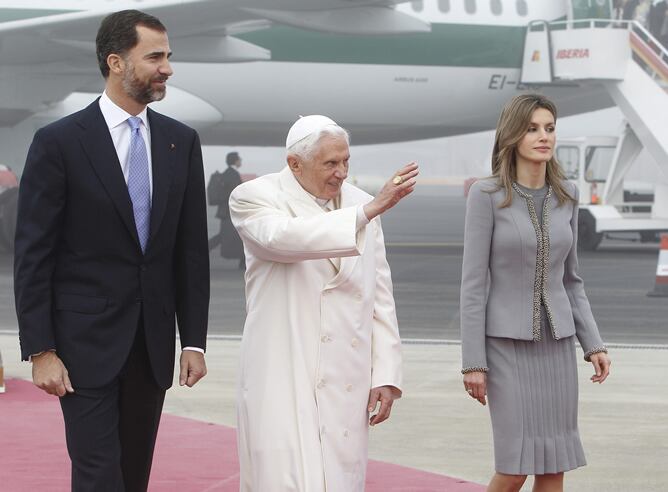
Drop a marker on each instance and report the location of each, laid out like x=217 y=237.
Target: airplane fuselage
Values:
x=393 y=87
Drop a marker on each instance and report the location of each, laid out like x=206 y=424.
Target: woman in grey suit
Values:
x=523 y=303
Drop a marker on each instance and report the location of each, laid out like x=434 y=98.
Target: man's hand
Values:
x=400 y=185
x=475 y=384
x=386 y=396
x=193 y=368
x=50 y=375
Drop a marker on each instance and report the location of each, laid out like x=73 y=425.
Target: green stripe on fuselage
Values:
x=9 y=14
x=456 y=45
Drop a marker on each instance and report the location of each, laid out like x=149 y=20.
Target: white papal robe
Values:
x=316 y=338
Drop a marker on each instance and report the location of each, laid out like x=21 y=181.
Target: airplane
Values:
x=244 y=70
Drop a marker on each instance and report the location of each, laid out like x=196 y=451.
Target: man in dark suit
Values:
x=228 y=237
x=657 y=18
x=629 y=9
x=110 y=248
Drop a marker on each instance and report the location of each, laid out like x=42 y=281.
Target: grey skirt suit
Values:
x=522 y=305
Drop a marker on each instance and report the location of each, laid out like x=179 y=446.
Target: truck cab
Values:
x=588 y=162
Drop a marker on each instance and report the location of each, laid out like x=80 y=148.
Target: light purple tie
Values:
x=139 y=185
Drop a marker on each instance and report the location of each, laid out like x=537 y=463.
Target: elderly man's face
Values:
x=323 y=175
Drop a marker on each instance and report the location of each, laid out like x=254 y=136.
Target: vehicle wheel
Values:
x=8 y=206
x=588 y=238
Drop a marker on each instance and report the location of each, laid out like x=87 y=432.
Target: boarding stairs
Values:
x=625 y=60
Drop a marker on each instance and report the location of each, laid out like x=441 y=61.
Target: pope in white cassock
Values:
x=321 y=354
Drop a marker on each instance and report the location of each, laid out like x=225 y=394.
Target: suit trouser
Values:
x=111 y=431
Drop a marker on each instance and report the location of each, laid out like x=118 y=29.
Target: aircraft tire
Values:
x=588 y=238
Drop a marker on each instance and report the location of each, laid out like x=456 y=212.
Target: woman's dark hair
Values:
x=118 y=34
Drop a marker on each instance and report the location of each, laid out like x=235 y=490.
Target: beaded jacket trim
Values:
x=542 y=261
x=474 y=369
x=595 y=350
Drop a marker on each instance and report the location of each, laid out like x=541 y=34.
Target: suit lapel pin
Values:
x=172 y=146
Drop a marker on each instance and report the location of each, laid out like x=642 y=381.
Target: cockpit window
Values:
x=522 y=7
x=418 y=5
x=470 y=6
x=598 y=160
x=496 y=7
x=569 y=158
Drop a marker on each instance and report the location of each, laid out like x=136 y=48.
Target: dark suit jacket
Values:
x=630 y=9
x=81 y=281
x=656 y=18
x=231 y=179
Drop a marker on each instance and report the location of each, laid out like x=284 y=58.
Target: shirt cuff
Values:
x=39 y=353
x=193 y=349
x=362 y=219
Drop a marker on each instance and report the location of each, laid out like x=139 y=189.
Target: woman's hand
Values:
x=475 y=384
x=601 y=363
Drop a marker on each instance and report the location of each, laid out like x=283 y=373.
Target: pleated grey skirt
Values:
x=532 y=390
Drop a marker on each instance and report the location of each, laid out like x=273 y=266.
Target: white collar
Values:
x=323 y=202
x=114 y=115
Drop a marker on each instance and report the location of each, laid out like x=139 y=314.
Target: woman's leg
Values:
x=549 y=483
x=506 y=483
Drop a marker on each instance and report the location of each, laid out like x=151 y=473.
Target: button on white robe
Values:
x=316 y=340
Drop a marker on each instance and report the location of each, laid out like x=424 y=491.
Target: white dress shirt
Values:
x=116 y=119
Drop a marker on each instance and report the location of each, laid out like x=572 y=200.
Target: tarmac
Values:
x=437 y=428
x=439 y=435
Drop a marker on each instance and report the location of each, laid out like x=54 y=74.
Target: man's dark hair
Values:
x=232 y=158
x=118 y=34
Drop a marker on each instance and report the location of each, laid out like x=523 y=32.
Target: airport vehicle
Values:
x=388 y=70
x=588 y=162
x=625 y=61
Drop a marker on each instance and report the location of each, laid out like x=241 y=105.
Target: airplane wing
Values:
x=47 y=55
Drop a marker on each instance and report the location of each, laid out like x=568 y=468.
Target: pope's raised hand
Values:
x=401 y=184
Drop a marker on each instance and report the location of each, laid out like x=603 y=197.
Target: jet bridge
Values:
x=625 y=60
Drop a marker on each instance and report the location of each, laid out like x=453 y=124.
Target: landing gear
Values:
x=588 y=238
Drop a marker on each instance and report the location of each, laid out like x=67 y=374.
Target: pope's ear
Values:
x=294 y=164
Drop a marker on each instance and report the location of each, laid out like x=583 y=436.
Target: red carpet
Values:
x=190 y=456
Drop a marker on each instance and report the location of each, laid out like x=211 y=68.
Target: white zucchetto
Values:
x=305 y=126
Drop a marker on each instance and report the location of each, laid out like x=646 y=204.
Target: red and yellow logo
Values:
x=576 y=53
